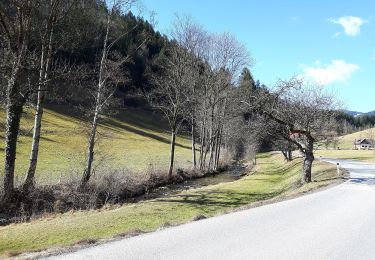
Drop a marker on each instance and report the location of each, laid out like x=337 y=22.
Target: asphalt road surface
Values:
x=336 y=223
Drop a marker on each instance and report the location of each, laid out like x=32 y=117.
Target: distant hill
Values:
x=352 y=113
x=356 y=113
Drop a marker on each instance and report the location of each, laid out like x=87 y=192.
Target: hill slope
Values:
x=134 y=140
x=347 y=141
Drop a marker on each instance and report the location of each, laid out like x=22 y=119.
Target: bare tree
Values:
x=50 y=14
x=172 y=91
x=224 y=57
x=108 y=77
x=191 y=36
x=306 y=115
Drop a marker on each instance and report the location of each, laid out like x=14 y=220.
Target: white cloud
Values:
x=351 y=24
x=336 y=71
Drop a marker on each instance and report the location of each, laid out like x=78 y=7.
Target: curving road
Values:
x=336 y=223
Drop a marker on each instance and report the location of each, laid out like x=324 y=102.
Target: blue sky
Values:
x=330 y=42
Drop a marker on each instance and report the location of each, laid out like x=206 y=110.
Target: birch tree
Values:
x=51 y=12
x=108 y=77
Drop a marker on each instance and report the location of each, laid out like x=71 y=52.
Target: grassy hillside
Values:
x=134 y=140
x=347 y=150
x=347 y=141
x=273 y=178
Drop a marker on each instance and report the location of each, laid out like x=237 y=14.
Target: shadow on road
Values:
x=365 y=181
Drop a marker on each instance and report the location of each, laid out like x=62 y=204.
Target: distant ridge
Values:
x=356 y=113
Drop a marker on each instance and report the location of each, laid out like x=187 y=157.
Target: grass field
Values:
x=133 y=140
x=272 y=178
x=362 y=155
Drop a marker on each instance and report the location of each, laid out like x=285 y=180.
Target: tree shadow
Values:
x=48 y=139
x=220 y=199
x=110 y=124
x=143 y=119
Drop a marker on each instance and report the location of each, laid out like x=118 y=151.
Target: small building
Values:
x=364 y=144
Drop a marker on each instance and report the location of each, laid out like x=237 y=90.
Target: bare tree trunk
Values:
x=173 y=144
x=290 y=155
x=285 y=155
x=203 y=141
x=206 y=150
x=43 y=76
x=220 y=133
x=307 y=166
x=194 y=157
x=307 y=163
x=211 y=139
x=98 y=104
x=212 y=153
x=216 y=152
x=90 y=149
x=29 y=180
x=218 y=149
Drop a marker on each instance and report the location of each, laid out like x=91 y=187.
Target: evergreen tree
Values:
x=246 y=80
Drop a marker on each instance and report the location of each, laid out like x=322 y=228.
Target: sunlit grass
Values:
x=133 y=139
x=273 y=178
x=363 y=155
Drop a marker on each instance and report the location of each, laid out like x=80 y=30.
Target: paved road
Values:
x=336 y=223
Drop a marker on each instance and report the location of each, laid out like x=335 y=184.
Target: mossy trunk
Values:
x=14 y=113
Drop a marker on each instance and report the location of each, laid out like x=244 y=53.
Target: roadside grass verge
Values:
x=134 y=139
x=272 y=178
x=361 y=155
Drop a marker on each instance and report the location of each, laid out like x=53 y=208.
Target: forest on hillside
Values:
x=96 y=57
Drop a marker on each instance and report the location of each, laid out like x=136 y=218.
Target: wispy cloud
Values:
x=351 y=24
x=335 y=71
